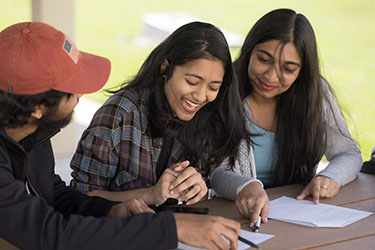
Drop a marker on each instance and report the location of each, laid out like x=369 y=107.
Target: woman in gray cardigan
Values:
x=293 y=118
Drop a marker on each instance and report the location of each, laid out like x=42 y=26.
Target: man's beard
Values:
x=48 y=121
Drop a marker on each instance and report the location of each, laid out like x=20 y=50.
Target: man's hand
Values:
x=320 y=186
x=206 y=231
x=129 y=208
x=253 y=202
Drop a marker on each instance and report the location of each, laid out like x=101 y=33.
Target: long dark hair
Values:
x=216 y=129
x=301 y=132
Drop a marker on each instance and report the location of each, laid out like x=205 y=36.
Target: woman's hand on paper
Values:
x=320 y=187
x=253 y=202
x=189 y=184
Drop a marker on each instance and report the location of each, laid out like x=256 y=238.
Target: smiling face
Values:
x=272 y=73
x=192 y=86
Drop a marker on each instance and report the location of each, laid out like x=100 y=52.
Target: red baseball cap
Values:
x=35 y=57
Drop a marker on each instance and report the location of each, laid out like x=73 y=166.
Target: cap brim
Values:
x=92 y=75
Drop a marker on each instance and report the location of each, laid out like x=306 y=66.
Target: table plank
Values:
x=361 y=243
x=360 y=194
x=291 y=236
x=362 y=187
x=5 y=245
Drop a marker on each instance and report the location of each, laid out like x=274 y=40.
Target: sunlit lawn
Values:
x=344 y=30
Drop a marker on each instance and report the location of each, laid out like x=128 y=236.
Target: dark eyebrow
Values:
x=265 y=52
x=201 y=78
x=287 y=62
x=294 y=63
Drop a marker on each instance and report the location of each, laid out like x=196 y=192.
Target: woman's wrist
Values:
x=147 y=195
x=239 y=189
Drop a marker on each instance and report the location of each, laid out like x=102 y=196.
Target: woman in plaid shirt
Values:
x=159 y=136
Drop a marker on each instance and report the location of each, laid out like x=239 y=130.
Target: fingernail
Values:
x=316 y=202
x=171 y=187
x=266 y=219
x=251 y=224
x=179 y=199
x=171 y=192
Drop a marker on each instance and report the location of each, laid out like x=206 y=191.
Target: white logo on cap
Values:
x=71 y=49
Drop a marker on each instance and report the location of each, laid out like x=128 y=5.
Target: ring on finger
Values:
x=324 y=186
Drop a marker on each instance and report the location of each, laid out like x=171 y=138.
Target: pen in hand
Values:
x=257 y=225
x=252 y=244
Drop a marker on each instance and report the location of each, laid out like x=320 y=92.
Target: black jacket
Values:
x=46 y=214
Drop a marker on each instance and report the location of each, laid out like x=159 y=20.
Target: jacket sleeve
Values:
x=28 y=222
x=342 y=152
x=228 y=183
x=70 y=201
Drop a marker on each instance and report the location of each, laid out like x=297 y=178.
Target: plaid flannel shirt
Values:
x=117 y=152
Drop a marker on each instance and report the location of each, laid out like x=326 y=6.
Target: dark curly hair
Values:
x=16 y=109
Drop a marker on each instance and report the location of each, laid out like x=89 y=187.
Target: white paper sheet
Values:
x=256 y=238
x=307 y=213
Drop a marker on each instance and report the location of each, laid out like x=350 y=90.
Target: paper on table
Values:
x=257 y=238
x=307 y=213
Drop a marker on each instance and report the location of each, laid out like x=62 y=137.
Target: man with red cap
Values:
x=42 y=76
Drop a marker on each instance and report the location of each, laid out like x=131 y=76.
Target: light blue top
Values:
x=341 y=151
x=264 y=153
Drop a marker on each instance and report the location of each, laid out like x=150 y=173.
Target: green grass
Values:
x=344 y=30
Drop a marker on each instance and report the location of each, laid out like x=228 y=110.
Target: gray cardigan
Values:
x=342 y=153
